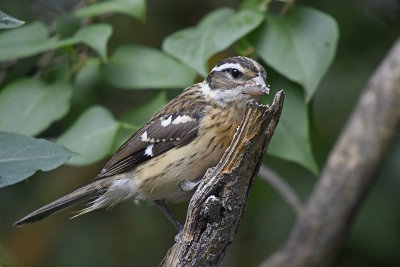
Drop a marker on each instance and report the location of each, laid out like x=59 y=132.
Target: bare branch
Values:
x=218 y=204
x=282 y=188
x=349 y=172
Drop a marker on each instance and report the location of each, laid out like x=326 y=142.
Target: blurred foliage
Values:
x=64 y=77
x=33 y=105
x=214 y=33
x=300 y=45
x=7 y=21
x=134 y=67
x=91 y=136
x=33 y=153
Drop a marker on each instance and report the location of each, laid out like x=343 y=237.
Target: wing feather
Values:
x=170 y=127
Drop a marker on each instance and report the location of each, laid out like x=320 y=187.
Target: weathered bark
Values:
x=218 y=204
x=349 y=172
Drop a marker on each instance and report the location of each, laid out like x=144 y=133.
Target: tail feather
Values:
x=81 y=195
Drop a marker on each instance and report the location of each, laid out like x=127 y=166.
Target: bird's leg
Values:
x=171 y=218
x=187 y=186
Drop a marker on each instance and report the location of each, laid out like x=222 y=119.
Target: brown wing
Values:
x=173 y=126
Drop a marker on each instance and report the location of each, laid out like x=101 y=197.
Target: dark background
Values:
x=139 y=235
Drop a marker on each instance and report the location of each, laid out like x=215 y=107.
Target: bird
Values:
x=166 y=159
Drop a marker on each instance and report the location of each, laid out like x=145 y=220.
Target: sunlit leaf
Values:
x=216 y=32
x=7 y=21
x=134 y=8
x=300 y=45
x=91 y=136
x=291 y=140
x=29 y=106
x=138 y=67
x=21 y=156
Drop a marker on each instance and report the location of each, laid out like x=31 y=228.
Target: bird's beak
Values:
x=256 y=86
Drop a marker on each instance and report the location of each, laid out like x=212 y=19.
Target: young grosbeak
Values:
x=166 y=159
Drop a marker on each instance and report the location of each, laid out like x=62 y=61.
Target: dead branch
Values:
x=349 y=172
x=218 y=204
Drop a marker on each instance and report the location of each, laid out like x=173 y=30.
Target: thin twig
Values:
x=282 y=188
x=44 y=61
x=286 y=7
x=83 y=57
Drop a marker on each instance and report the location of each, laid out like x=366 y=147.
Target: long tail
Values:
x=81 y=195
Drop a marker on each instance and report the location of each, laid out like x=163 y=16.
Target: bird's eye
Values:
x=235 y=73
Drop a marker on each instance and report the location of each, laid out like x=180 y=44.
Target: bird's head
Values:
x=236 y=79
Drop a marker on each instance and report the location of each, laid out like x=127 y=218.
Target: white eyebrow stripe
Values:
x=228 y=66
x=149 y=150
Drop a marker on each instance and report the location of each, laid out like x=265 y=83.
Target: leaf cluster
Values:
x=72 y=59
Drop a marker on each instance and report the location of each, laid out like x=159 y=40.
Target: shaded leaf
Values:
x=21 y=156
x=134 y=119
x=138 y=67
x=96 y=36
x=7 y=21
x=133 y=8
x=29 y=106
x=26 y=41
x=86 y=81
x=67 y=25
x=291 y=140
x=300 y=45
x=91 y=136
x=262 y=6
x=143 y=113
x=125 y=130
x=216 y=32
x=34 y=38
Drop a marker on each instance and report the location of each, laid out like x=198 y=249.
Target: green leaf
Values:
x=34 y=38
x=96 y=36
x=291 y=140
x=26 y=41
x=66 y=25
x=85 y=83
x=21 y=156
x=138 y=67
x=300 y=45
x=7 y=21
x=134 y=8
x=143 y=113
x=261 y=5
x=216 y=32
x=29 y=106
x=134 y=119
x=91 y=136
